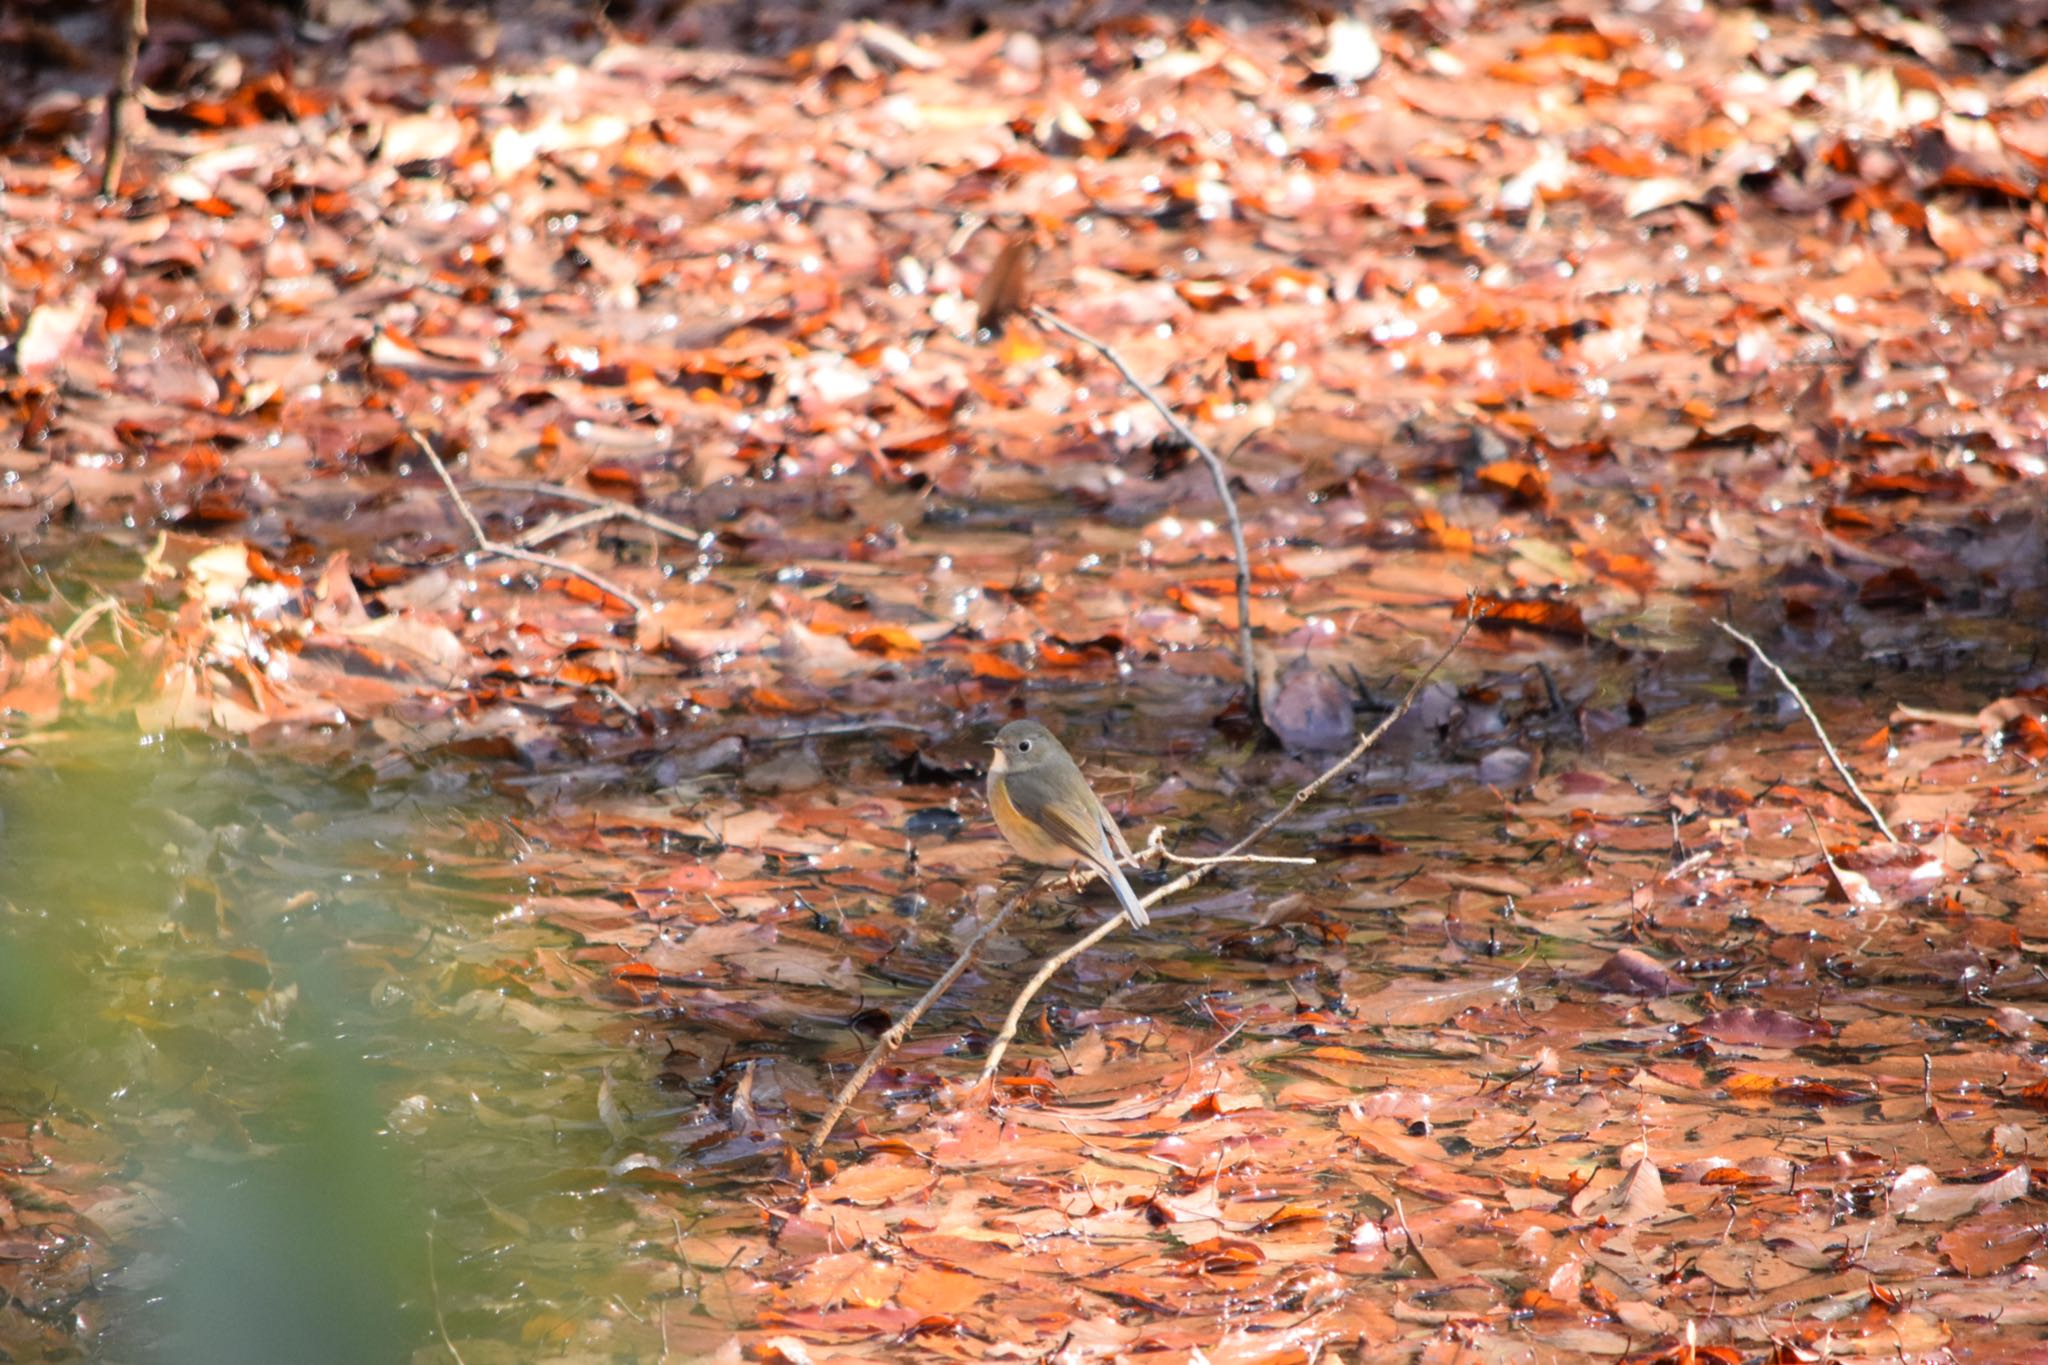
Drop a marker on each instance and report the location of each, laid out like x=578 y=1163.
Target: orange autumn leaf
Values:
x=1206 y=296
x=1735 y=1176
x=1632 y=571
x=1293 y=1215
x=1268 y=573
x=1020 y=347
x=774 y=700
x=1525 y=484
x=584 y=675
x=1442 y=535
x=1216 y=1254
x=1266 y=615
x=994 y=666
x=24 y=632
x=1629 y=163
x=891 y=642
x=616 y=479
x=1059 y=656
x=582 y=590
x=1818 y=1093
x=1548 y=614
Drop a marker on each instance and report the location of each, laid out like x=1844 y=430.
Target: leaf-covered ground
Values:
x=1607 y=1024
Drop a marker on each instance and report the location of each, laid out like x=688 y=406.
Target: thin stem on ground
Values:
x=1834 y=757
x=893 y=1037
x=498 y=549
x=611 y=508
x=1218 y=474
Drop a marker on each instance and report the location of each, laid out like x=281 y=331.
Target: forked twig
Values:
x=500 y=550
x=610 y=508
x=893 y=1037
x=1045 y=973
x=1264 y=859
x=1218 y=474
x=1155 y=847
x=1841 y=768
x=900 y=1030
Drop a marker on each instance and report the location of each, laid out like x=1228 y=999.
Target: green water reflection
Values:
x=250 y=996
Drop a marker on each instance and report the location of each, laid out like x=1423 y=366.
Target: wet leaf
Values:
x=1762 y=1028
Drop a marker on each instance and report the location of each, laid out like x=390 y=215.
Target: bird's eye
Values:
x=1023 y=746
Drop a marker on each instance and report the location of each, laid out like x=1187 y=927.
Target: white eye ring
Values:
x=1023 y=746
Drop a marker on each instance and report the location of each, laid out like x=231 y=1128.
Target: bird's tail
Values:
x=1135 y=912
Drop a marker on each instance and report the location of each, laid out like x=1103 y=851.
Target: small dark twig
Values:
x=898 y=1031
x=134 y=25
x=1218 y=474
x=500 y=550
x=1841 y=768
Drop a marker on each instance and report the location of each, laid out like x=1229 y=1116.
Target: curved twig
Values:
x=1014 y=1019
x=613 y=509
x=1155 y=846
x=1219 y=475
x=1841 y=768
x=893 y=1037
x=498 y=549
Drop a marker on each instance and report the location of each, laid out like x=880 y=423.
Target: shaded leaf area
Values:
x=1602 y=1026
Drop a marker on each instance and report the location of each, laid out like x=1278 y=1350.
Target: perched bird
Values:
x=1048 y=812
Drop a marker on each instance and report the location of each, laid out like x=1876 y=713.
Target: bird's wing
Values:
x=1088 y=840
x=1116 y=835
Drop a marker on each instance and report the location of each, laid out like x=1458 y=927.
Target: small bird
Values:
x=1048 y=812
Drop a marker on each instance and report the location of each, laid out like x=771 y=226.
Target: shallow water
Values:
x=298 y=1038
x=255 y=996
x=340 y=1030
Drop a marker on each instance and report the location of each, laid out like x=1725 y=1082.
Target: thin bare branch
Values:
x=898 y=1031
x=434 y=1288
x=555 y=527
x=569 y=567
x=85 y=619
x=1052 y=965
x=851 y=727
x=1264 y=858
x=611 y=507
x=1155 y=846
x=1218 y=474
x=476 y=528
x=1841 y=768
x=500 y=550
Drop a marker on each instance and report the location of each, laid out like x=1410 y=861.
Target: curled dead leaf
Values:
x=1634 y=972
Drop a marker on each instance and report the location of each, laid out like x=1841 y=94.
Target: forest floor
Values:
x=448 y=898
